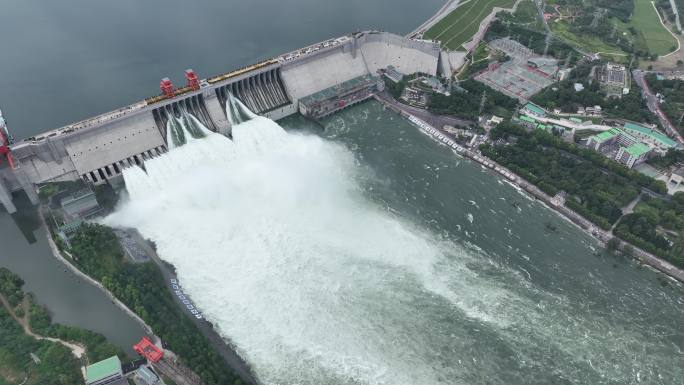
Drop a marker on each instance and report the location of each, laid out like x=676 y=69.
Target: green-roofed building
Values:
x=528 y=121
x=602 y=139
x=533 y=109
x=653 y=137
x=104 y=372
x=633 y=155
x=576 y=120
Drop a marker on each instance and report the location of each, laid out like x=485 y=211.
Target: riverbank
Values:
x=555 y=204
x=58 y=254
x=76 y=349
x=224 y=347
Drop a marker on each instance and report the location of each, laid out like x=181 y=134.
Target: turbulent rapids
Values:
x=274 y=237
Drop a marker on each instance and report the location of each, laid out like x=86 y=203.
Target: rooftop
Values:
x=653 y=134
x=337 y=89
x=103 y=369
x=637 y=149
x=605 y=135
x=526 y=118
x=535 y=109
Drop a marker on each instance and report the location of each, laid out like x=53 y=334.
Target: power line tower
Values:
x=567 y=60
x=482 y=102
x=547 y=43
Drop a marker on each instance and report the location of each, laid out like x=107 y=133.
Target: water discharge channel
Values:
x=367 y=254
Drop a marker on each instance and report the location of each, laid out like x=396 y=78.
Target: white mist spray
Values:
x=275 y=242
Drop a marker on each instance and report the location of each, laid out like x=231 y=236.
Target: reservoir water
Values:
x=368 y=254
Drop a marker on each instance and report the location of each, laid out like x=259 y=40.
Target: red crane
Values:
x=193 y=81
x=167 y=88
x=5 y=152
x=147 y=349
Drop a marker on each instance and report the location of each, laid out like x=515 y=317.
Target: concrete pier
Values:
x=6 y=198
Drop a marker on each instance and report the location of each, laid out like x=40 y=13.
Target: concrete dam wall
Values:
x=98 y=149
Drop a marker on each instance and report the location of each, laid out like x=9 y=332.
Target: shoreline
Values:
x=227 y=351
x=224 y=346
x=58 y=254
x=582 y=223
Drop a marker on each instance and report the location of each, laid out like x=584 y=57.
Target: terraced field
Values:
x=463 y=22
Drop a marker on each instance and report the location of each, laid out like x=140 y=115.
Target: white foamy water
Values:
x=275 y=241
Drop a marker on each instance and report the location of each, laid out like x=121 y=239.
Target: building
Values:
x=614 y=79
x=633 y=155
x=75 y=209
x=148 y=350
x=598 y=141
x=527 y=121
x=659 y=141
x=631 y=150
x=338 y=97
x=104 y=372
x=533 y=109
x=81 y=204
x=521 y=77
x=146 y=376
x=392 y=74
x=578 y=87
x=433 y=83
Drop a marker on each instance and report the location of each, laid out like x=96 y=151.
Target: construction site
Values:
x=524 y=75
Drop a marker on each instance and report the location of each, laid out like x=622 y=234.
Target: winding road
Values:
x=76 y=349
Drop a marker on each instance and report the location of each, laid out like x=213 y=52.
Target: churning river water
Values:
x=366 y=253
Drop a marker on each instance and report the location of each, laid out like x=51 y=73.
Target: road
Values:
x=434 y=120
x=653 y=105
x=77 y=350
x=449 y=6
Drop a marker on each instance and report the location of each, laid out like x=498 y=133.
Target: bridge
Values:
x=98 y=149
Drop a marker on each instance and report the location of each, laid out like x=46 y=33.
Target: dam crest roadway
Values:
x=98 y=149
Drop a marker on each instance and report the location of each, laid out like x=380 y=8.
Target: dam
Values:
x=315 y=80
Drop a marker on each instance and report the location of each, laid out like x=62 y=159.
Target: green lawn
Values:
x=588 y=43
x=658 y=39
x=462 y=23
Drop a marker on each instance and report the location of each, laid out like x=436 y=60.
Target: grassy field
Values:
x=658 y=39
x=588 y=43
x=463 y=23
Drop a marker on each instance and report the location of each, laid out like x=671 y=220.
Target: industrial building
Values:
x=340 y=96
x=524 y=75
x=105 y=372
x=145 y=376
x=75 y=208
x=614 y=79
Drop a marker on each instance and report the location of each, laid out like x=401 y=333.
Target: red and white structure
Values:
x=5 y=152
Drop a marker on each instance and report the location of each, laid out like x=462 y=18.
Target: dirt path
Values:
x=77 y=350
